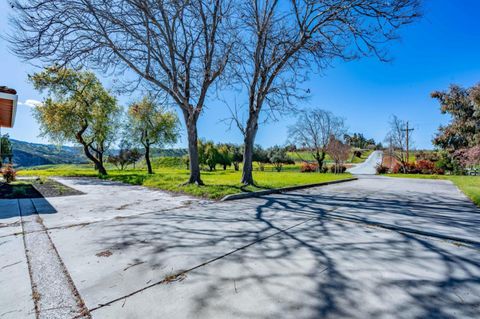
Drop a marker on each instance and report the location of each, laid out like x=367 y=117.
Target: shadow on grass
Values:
x=129 y=178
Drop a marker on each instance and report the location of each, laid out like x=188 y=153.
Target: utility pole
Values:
x=408 y=130
x=391 y=152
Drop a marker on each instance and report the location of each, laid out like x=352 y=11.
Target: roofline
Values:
x=14 y=98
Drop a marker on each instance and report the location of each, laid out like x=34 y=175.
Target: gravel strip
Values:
x=53 y=291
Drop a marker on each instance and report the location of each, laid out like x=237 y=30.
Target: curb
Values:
x=284 y=189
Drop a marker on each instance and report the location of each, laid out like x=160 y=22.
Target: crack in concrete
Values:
x=13 y=264
x=83 y=224
x=183 y=273
x=180 y=275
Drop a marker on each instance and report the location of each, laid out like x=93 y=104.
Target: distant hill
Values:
x=33 y=154
x=169 y=152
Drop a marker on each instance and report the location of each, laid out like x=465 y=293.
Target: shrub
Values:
x=278 y=157
x=124 y=158
x=324 y=169
x=9 y=174
x=448 y=163
x=411 y=168
x=186 y=161
x=397 y=168
x=428 y=155
x=338 y=169
x=308 y=167
x=425 y=166
x=381 y=169
x=438 y=171
x=261 y=166
x=420 y=167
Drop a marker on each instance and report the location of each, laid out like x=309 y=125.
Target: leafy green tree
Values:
x=463 y=106
x=125 y=157
x=450 y=163
x=260 y=156
x=152 y=125
x=186 y=161
x=177 y=48
x=237 y=156
x=225 y=153
x=77 y=109
x=358 y=140
x=208 y=154
x=6 y=150
x=278 y=157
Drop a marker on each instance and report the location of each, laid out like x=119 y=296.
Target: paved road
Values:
x=369 y=167
x=307 y=254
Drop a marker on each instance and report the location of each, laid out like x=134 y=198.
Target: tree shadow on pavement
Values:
x=283 y=257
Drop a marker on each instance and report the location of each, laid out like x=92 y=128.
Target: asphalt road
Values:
x=373 y=248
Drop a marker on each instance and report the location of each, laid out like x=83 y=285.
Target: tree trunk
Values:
x=236 y=165
x=98 y=165
x=224 y=167
x=249 y=141
x=100 y=158
x=320 y=158
x=86 y=148
x=194 y=165
x=147 y=159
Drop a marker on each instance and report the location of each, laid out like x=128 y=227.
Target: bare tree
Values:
x=339 y=152
x=313 y=130
x=283 y=40
x=177 y=48
x=397 y=141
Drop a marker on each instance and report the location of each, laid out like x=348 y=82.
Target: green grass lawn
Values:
x=218 y=183
x=470 y=185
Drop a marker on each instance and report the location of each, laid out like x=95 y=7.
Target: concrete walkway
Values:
x=16 y=291
x=306 y=254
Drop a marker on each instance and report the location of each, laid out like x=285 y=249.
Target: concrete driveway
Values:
x=374 y=248
x=369 y=166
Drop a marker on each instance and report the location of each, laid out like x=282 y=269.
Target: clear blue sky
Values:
x=441 y=48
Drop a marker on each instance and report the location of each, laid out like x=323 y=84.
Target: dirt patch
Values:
x=172 y=278
x=35 y=296
x=105 y=253
x=51 y=188
x=38 y=188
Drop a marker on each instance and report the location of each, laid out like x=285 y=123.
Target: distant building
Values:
x=8 y=106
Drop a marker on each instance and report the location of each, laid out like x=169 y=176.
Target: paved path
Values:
x=369 y=167
x=307 y=254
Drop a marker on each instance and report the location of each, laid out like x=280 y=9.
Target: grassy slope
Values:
x=470 y=185
x=218 y=183
x=307 y=156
